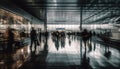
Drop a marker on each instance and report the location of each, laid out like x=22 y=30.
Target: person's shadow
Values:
x=107 y=53
x=33 y=56
x=90 y=46
x=85 y=63
x=94 y=46
x=69 y=42
x=41 y=58
x=46 y=44
x=42 y=62
x=62 y=42
x=57 y=43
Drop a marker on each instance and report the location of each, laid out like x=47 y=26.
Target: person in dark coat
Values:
x=85 y=35
x=33 y=36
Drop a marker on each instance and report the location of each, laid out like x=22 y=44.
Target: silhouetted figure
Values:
x=90 y=36
x=46 y=34
x=85 y=35
x=94 y=33
x=33 y=36
x=10 y=40
x=40 y=34
x=62 y=34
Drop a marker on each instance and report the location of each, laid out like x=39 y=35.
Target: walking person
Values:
x=33 y=36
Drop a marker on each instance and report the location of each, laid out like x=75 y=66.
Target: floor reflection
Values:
x=59 y=42
x=68 y=52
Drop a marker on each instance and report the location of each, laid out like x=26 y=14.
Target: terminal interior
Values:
x=59 y=34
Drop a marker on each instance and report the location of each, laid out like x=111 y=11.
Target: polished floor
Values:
x=68 y=52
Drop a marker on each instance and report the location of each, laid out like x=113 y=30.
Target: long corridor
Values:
x=59 y=34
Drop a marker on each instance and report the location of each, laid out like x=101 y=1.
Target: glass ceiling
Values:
x=56 y=13
x=68 y=11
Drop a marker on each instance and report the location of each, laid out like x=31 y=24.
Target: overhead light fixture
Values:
x=55 y=2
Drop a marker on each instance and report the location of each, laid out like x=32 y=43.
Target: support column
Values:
x=45 y=23
x=81 y=17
